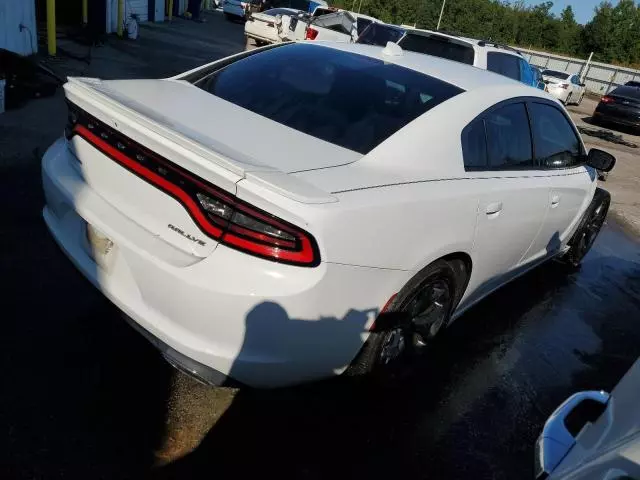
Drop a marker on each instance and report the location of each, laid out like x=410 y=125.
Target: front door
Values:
x=560 y=155
x=512 y=194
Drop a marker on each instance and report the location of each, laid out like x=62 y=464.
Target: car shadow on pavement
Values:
x=472 y=407
x=611 y=126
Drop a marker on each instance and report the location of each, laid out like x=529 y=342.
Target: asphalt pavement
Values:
x=83 y=396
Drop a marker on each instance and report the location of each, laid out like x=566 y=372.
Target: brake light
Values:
x=310 y=33
x=220 y=215
x=607 y=99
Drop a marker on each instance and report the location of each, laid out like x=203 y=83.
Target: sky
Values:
x=583 y=9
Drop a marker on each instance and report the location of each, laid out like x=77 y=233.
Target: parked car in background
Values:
x=537 y=78
x=566 y=87
x=621 y=106
x=487 y=55
x=332 y=24
x=633 y=83
x=593 y=435
x=233 y=9
x=284 y=215
x=270 y=26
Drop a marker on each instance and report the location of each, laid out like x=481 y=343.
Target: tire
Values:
x=567 y=101
x=404 y=328
x=589 y=228
x=580 y=99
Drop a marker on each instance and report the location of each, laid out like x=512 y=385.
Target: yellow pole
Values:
x=51 y=27
x=85 y=12
x=120 y=16
x=170 y=9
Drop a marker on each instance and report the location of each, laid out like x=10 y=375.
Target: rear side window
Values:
x=474 y=146
x=347 y=99
x=509 y=138
x=439 y=47
x=504 y=64
x=556 y=142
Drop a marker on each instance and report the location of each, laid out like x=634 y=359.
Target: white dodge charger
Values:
x=304 y=209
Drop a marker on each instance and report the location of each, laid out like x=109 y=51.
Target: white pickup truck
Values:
x=325 y=23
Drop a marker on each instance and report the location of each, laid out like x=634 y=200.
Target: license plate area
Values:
x=99 y=247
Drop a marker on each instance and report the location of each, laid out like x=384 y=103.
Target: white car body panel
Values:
x=609 y=448
x=269 y=28
x=378 y=219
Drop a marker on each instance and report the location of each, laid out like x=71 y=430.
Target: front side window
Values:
x=555 y=140
x=504 y=64
x=509 y=138
x=347 y=99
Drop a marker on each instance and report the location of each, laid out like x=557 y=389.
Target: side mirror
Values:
x=601 y=160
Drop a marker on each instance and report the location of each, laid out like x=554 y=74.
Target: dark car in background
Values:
x=633 y=83
x=621 y=106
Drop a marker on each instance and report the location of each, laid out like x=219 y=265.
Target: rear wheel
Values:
x=580 y=99
x=589 y=228
x=418 y=313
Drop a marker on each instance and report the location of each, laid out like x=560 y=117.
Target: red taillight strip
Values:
x=153 y=178
x=261 y=237
x=302 y=252
x=305 y=256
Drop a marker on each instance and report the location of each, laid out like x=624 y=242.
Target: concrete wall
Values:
x=600 y=78
x=12 y=14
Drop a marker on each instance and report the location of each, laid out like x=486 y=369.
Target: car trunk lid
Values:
x=142 y=157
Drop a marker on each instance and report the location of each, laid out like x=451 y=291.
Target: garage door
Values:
x=139 y=7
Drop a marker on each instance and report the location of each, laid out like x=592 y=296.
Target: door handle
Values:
x=555 y=201
x=493 y=209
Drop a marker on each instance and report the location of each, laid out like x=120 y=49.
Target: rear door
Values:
x=513 y=196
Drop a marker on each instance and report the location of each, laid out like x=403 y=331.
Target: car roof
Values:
x=455 y=73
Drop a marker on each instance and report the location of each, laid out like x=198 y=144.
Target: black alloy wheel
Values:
x=589 y=228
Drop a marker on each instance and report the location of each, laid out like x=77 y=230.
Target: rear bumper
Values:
x=260 y=323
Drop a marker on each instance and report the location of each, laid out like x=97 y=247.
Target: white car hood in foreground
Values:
x=252 y=142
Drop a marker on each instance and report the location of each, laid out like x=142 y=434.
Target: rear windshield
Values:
x=633 y=84
x=439 y=47
x=626 y=91
x=378 y=34
x=347 y=99
x=554 y=74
